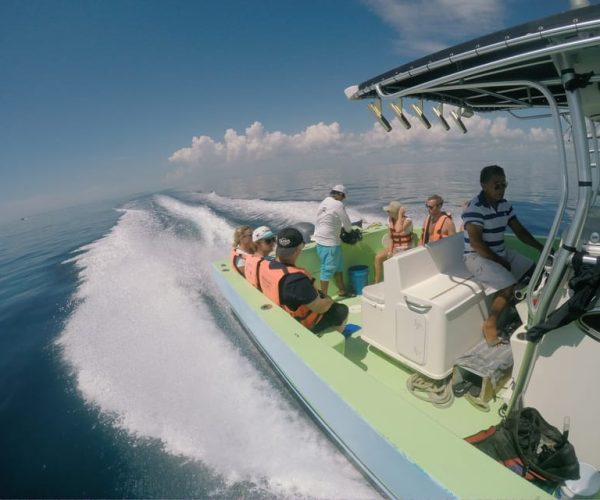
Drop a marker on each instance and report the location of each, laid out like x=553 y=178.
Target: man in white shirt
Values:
x=331 y=217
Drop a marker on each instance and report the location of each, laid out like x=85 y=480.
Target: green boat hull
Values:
x=405 y=446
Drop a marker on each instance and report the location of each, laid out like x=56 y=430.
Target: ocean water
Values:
x=122 y=370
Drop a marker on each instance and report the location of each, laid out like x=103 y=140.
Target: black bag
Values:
x=351 y=237
x=585 y=284
x=530 y=446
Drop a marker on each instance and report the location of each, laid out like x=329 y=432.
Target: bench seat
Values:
x=428 y=311
x=375 y=293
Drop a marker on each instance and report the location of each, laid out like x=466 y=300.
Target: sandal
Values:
x=349 y=329
x=346 y=295
x=461 y=388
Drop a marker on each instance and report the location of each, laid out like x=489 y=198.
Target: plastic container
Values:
x=359 y=278
x=587 y=486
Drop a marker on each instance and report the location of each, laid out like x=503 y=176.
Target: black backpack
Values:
x=530 y=446
x=351 y=237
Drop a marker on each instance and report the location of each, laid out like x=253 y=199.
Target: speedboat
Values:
x=425 y=317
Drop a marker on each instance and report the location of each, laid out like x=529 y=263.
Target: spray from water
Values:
x=144 y=347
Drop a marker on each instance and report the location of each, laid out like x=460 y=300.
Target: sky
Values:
x=105 y=98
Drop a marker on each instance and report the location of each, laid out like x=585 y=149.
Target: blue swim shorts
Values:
x=331 y=261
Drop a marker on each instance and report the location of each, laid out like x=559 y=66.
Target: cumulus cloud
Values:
x=257 y=144
x=327 y=142
x=538 y=134
x=424 y=27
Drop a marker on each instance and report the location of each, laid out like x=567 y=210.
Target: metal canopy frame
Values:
x=532 y=55
x=529 y=71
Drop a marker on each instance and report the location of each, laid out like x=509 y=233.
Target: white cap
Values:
x=340 y=188
x=262 y=233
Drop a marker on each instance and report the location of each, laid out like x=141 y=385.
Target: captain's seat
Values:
x=428 y=310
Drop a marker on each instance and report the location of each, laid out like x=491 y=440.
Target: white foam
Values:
x=145 y=348
x=285 y=213
x=216 y=232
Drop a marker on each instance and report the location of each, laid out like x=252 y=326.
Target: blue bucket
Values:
x=359 y=278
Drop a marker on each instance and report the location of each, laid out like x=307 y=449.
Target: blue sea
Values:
x=122 y=370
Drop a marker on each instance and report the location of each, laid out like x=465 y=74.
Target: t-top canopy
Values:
x=477 y=74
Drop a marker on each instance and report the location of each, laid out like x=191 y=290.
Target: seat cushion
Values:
x=374 y=293
x=447 y=292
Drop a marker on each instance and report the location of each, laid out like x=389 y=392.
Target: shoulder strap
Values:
x=425 y=230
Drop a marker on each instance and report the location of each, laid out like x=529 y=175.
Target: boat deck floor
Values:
x=347 y=375
x=461 y=418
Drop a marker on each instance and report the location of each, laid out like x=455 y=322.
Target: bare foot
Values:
x=496 y=342
x=490 y=333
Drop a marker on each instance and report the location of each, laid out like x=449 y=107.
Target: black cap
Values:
x=289 y=238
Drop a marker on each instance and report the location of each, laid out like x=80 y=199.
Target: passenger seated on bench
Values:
x=242 y=245
x=400 y=238
x=438 y=224
x=496 y=267
x=264 y=240
x=292 y=288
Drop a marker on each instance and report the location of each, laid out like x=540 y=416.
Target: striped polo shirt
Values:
x=493 y=221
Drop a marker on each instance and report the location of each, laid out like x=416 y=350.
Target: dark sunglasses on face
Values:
x=500 y=185
x=268 y=241
x=430 y=207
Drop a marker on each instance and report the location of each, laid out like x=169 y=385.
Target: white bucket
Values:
x=587 y=486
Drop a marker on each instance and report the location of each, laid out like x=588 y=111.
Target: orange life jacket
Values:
x=399 y=238
x=233 y=255
x=437 y=229
x=271 y=274
x=252 y=269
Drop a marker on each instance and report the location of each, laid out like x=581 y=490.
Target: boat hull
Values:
x=359 y=397
x=382 y=463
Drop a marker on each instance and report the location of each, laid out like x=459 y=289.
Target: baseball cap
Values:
x=340 y=188
x=262 y=233
x=289 y=238
x=393 y=207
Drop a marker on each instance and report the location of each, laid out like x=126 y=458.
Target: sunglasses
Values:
x=430 y=207
x=500 y=185
x=268 y=241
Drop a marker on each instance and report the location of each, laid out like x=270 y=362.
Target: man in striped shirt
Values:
x=498 y=268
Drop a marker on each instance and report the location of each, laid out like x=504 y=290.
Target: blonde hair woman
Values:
x=242 y=245
x=400 y=236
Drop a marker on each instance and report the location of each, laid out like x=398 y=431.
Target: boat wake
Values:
x=145 y=347
x=258 y=212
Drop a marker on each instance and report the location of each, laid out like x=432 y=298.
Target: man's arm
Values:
x=424 y=229
x=321 y=304
x=524 y=235
x=298 y=289
x=346 y=223
x=475 y=233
